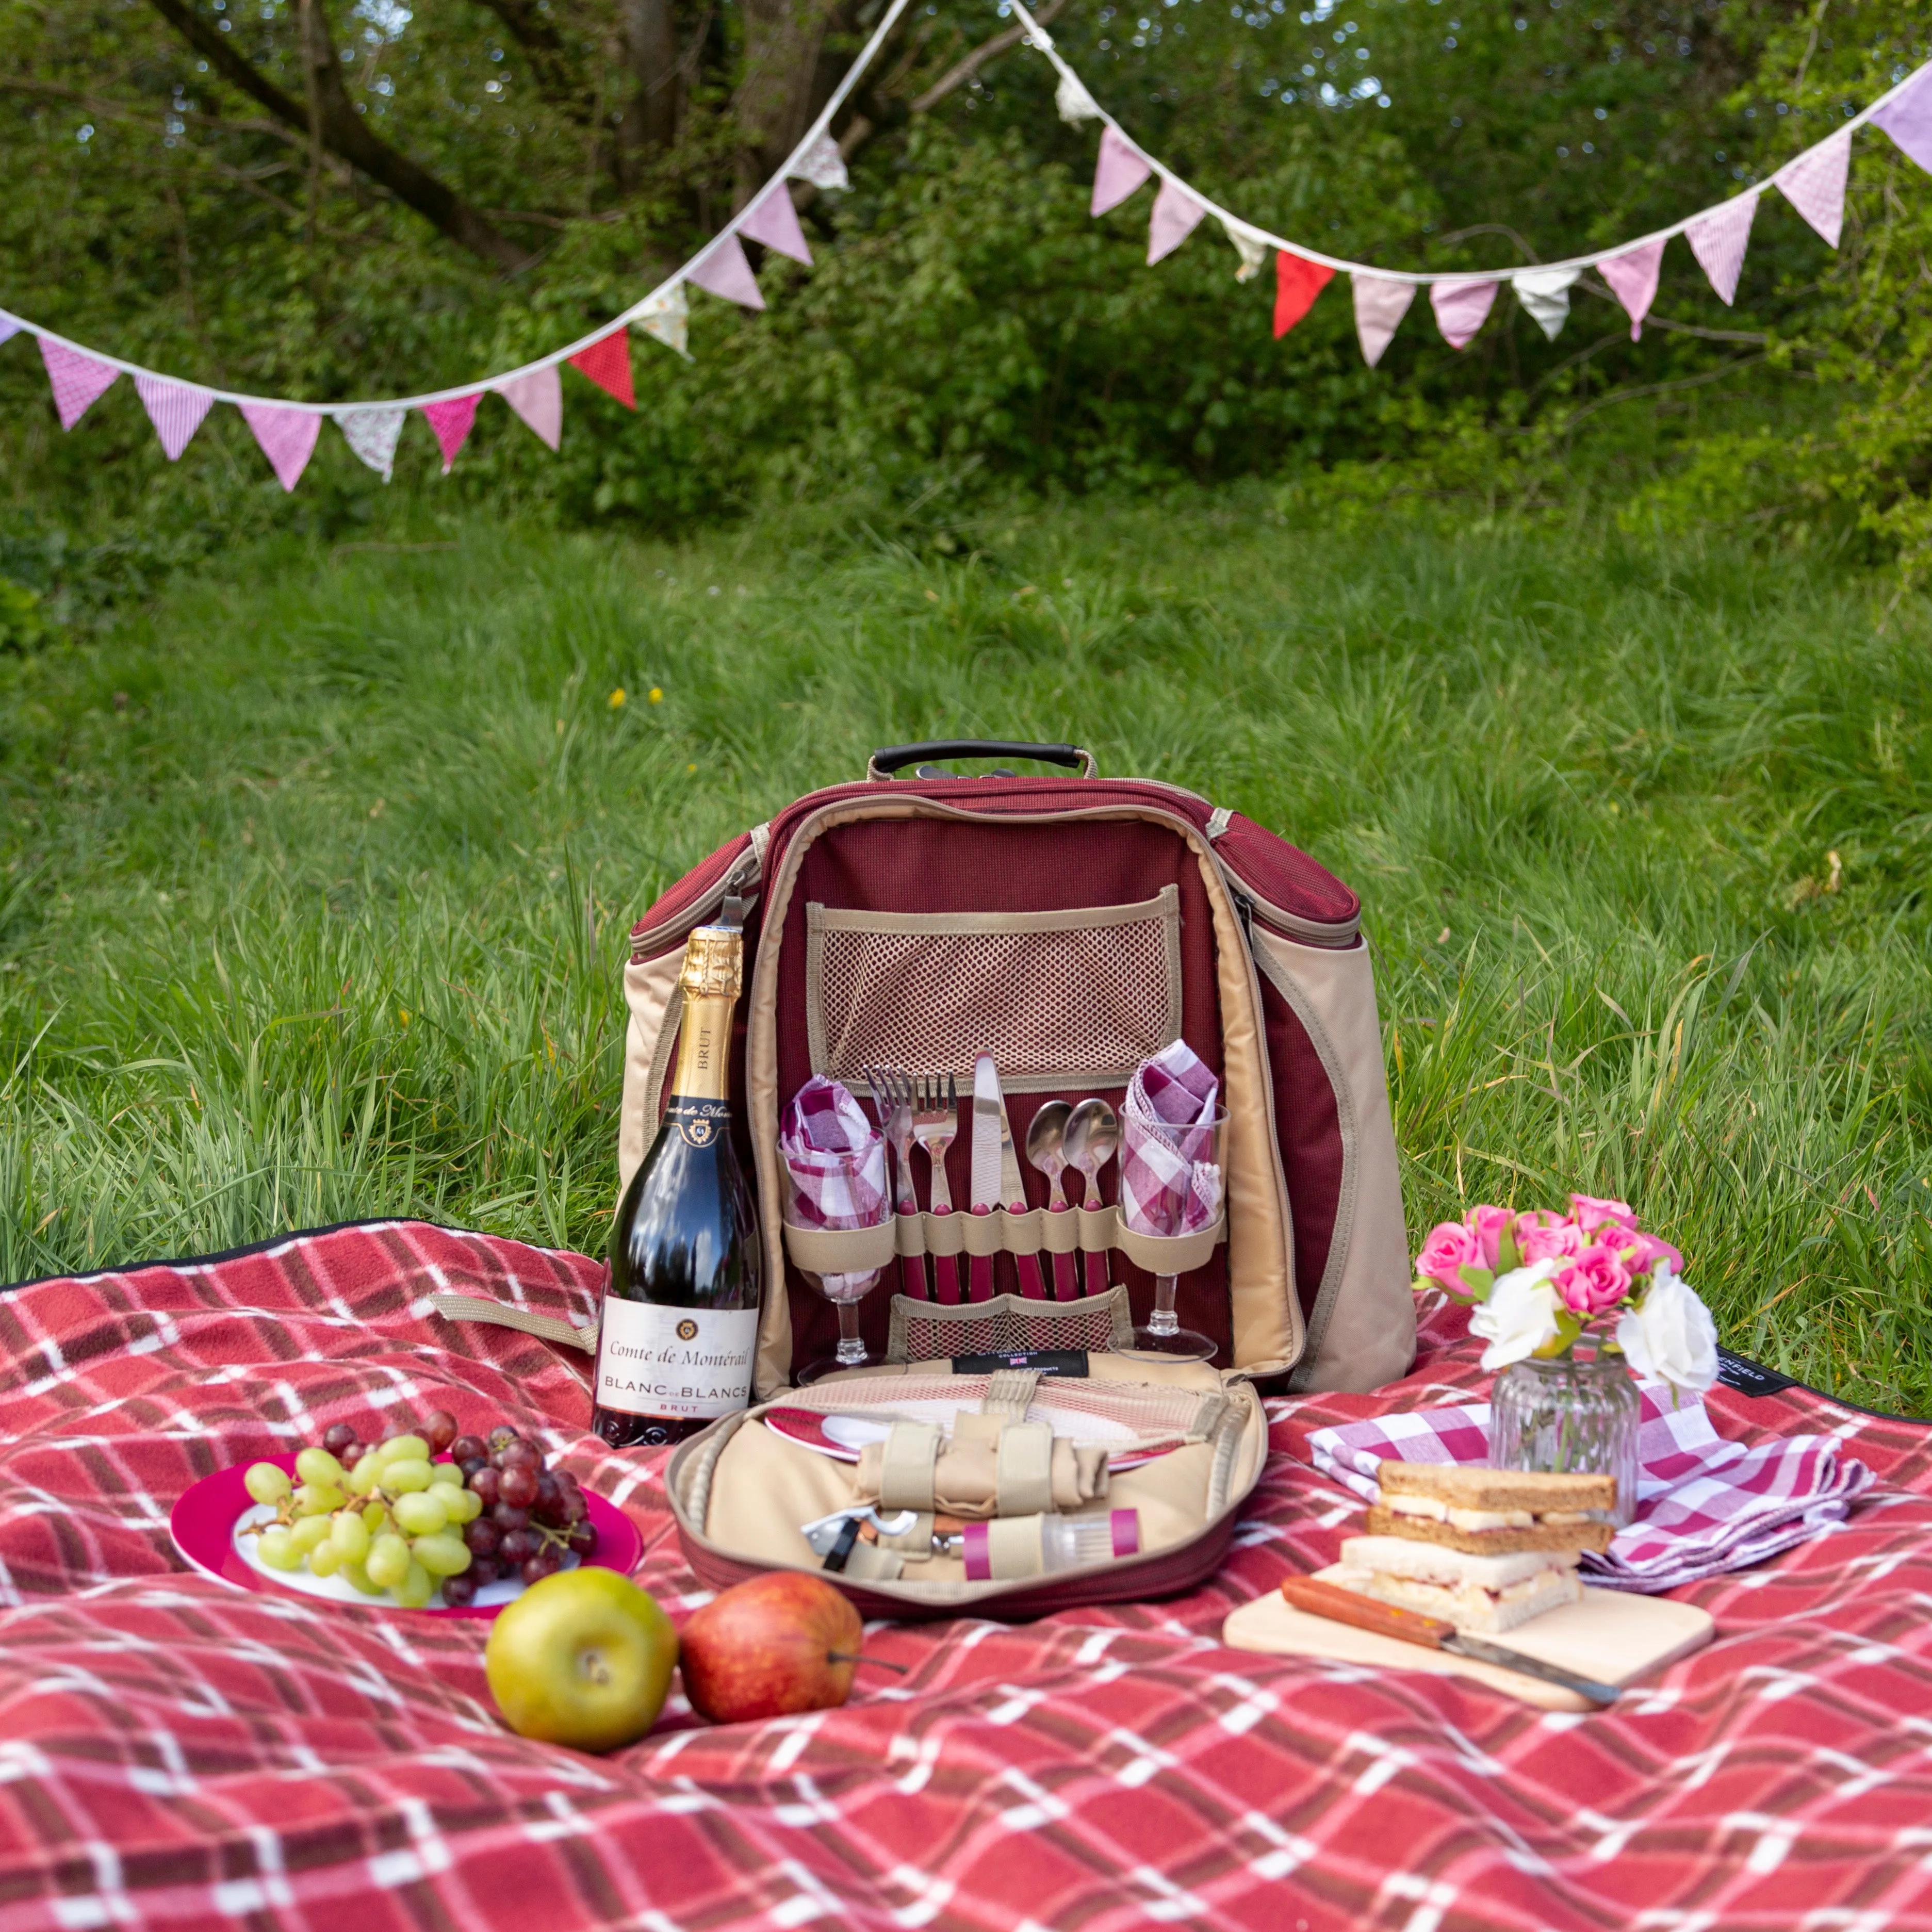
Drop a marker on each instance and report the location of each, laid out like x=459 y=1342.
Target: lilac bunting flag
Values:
x=725 y=271
x=1461 y=308
x=774 y=221
x=452 y=421
x=373 y=434
x=1633 y=279
x=77 y=379
x=1175 y=213
x=176 y=410
x=287 y=437
x=1814 y=185
x=1719 y=239
x=1119 y=171
x=537 y=396
x=1907 y=118
x=1380 y=306
x=9 y=328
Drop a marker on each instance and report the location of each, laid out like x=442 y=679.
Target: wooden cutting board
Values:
x=1611 y=1636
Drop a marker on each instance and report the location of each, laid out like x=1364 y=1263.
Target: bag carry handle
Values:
x=883 y=763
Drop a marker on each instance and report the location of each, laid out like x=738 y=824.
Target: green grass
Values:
x=327 y=920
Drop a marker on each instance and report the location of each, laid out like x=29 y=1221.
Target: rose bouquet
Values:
x=1541 y=1281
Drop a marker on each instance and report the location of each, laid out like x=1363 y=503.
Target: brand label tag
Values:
x=692 y=1362
x=699 y=1122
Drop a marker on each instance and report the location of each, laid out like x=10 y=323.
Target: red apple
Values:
x=781 y=1643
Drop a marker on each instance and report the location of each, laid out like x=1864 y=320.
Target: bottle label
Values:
x=698 y=1122
x=695 y=1362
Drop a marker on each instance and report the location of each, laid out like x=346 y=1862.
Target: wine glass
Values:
x=1186 y=1189
x=844 y=1291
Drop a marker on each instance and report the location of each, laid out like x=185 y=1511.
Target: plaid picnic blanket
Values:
x=173 y=1753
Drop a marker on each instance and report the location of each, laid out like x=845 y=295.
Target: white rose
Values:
x=1519 y=1317
x=1670 y=1336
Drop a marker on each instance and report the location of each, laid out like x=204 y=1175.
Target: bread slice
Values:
x=1383 y=1521
x=1481 y=1593
x=1465 y=1486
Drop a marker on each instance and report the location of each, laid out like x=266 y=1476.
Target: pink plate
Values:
x=203 y=1525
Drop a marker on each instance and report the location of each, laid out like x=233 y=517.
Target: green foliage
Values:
x=328 y=919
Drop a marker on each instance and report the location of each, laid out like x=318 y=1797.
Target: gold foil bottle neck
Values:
x=714 y=962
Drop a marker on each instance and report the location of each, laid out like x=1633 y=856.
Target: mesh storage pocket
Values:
x=1059 y=999
x=1009 y=1325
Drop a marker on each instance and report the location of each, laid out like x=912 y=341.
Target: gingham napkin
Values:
x=836 y=1160
x=1169 y=1185
x=1705 y=1505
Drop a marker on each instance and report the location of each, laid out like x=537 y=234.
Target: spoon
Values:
x=1044 y=1134
x=1092 y=1139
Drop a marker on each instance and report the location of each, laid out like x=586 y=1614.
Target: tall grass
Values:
x=323 y=915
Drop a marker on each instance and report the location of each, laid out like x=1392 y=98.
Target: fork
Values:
x=893 y=1097
x=935 y=1120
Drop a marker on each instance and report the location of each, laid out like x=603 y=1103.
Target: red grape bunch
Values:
x=532 y=1514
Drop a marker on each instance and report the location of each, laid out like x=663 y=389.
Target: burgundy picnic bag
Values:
x=1071 y=927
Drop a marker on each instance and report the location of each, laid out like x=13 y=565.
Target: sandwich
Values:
x=1493 y=1512
x=1486 y=1593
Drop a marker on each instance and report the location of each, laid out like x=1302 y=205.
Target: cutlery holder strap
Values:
x=852 y=1250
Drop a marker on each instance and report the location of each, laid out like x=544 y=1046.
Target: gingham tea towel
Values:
x=835 y=1161
x=1169 y=1183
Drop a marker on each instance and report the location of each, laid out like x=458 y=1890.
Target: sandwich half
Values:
x=1493 y=1512
x=1483 y=1593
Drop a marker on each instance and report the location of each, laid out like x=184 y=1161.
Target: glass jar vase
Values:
x=1570 y=1417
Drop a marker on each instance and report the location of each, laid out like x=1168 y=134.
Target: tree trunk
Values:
x=650 y=47
x=787 y=79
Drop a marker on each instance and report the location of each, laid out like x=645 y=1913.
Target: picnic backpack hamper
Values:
x=1070 y=927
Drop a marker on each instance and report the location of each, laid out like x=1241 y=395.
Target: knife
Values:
x=1320 y=1598
x=1013 y=1190
x=989 y=1115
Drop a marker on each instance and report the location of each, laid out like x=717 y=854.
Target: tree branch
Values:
x=344 y=132
x=958 y=75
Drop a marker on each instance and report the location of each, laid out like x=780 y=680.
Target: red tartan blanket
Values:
x=175 y=1753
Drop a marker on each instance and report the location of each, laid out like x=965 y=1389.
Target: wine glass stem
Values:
x=1163 y=1321
x=850 y=1352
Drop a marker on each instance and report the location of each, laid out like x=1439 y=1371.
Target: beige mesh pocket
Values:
x=1059 y=999
x=1009 y=1325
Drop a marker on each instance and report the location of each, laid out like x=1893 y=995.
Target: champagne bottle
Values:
x=680 y=1319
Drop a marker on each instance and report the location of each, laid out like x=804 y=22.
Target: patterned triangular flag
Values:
x=1719 y=239
x=537 y=396
x=1297 y=281
x=774 y=221
x=78 y=380
x=1907 y=118
x=1633 y=279
x=452 y=421
x=175 y=410
x=1545 y=293
x=666 y=315
x=822 y=165
x=1814 y=185
x=1461 y=308
x=607 y=363
x=1380 y=306
x=287 y=437
x=373 y=434
x=725 y=271
x=1074 y=104
x=1120 y=169
x=1176 y=212
x=1249 y=246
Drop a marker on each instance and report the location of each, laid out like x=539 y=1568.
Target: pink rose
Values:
x=1642 y=1253
x=1591 y=1211
x=1449 y=1245
x=1545 y=1237
x=1487 y=1225
x=1592 y=1279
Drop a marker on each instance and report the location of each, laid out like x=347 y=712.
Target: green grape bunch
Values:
x=401 y=1525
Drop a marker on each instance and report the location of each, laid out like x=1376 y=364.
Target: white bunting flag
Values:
x=176 y=409
x=537 y=397
x=666 y=315
x=1249 y=246
x=1814 y=185
x=1074 y=103
x=1380 y=306
x=373 y=434
x=1719 y=239
x=723 y=270
x=774 y=221
x=1176 y=214
x=1545 y=293
x=822 y=165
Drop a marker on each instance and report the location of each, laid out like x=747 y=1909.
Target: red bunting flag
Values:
x=607 y=363
x=1297 y=281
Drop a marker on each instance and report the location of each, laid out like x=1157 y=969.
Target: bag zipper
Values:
x=739 y=882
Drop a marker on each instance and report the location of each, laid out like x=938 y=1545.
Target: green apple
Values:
x=582 y=1658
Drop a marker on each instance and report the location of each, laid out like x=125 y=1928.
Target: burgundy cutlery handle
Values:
x=1096 y=1271
x=1033 y=1283
x=1066 y=1279
x=982 y=1271
x=912 y=1272
x=945 y=1273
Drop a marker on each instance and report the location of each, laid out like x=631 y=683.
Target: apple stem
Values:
x=856 y=1657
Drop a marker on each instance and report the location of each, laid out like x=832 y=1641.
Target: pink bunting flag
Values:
x=1814 y=185
x=1380 y=307
x=176 y=409
x=287 y=437
x=1633 y=279
x=1461 y=308
x=537 y=396
x=9 y=328
x=452 y=421
x=725 y=272
x=1719 y=239
x=1907 y=117
x=78 y=380
x=1119 y=171
x=774 y=221
x=1175 y=214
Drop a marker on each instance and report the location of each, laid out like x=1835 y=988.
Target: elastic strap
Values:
x=1010 y=1393
x=1025 y=1478
x=905 y=1465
